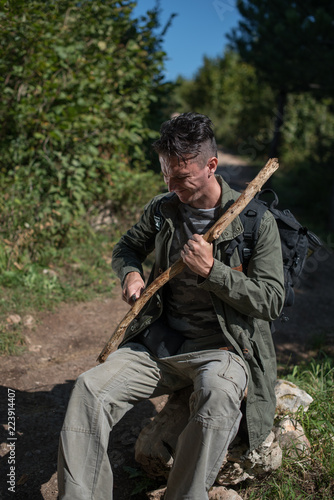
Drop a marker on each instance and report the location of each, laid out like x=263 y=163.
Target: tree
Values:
x=77 y=80
x=228 y=90
x=291 y=44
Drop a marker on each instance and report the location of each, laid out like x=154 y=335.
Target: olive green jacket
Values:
x=245 y=305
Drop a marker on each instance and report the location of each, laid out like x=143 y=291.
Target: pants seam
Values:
x=209 y=481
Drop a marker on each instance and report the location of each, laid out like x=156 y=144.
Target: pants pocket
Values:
x=235 y=373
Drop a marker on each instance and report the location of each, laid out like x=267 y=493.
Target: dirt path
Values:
x=65 y=343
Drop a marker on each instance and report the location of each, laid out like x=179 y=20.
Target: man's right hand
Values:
x=132 y=288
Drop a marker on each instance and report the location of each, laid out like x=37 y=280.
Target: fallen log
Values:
x=212 y=234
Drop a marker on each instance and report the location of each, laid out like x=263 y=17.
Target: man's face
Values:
x=188 y=180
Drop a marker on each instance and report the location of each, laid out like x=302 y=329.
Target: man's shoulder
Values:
x=163 y=199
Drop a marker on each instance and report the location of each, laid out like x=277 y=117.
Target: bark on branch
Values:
x=214 y=232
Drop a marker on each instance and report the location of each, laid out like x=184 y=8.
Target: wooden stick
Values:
x=212 y=234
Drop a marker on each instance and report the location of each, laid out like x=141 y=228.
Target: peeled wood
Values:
x=212 y=234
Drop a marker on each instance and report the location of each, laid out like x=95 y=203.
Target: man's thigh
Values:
x=221 y=369
x=130 y=371
x=219 y=378
x=128 y=376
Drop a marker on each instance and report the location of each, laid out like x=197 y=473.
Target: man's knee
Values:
x=220 y=389
x=227 y=374
x=85 y=383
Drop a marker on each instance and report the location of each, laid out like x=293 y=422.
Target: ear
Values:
x=212 y=165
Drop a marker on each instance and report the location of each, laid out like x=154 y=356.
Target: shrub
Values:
x=77 y=82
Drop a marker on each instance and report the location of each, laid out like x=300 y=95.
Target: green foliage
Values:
x=80 y=271
x=228 y=90
x=317 y=378
x=11 y=340
x=308 y=130
x=77 y=82
x=307 y=158
x=290 y=43
x=244 y=112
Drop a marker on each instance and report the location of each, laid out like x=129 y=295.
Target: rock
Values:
x=215 y=493
x=105 y=215
x=240 y=464
x=50 y=272
x=157 y=441
x=29 y=321
x=221 y=493
x=14 y=319
x=289 y=398
x=156 y=494
x=116 y=458
x=34 y=348
x=291 y=437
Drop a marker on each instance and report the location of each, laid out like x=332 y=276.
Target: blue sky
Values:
x=198 y=29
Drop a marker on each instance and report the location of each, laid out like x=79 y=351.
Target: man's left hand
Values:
x=197 y=254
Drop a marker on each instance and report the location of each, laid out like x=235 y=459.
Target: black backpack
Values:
x=297 y=241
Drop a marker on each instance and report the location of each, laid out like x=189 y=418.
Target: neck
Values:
x=212 y=198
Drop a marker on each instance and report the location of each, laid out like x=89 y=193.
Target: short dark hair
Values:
x=186 y=136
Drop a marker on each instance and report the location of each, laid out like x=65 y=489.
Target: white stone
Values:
x=14 y=319
x=291 y=437
x=221 y=493
x=241 y=464
x=289 y=398
x=29 y=321
x=156 y=494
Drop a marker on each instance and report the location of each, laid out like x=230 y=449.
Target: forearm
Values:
x=134 y=246
x=252 y=297
x=125 y=261
x=260 y=294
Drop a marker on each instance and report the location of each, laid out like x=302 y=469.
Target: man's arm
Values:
x=260 y=294
x=131 y=251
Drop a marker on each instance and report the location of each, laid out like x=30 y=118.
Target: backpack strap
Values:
x=250 y=218
x=275 y=201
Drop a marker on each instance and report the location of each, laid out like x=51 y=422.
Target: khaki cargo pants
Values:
x=102 y=395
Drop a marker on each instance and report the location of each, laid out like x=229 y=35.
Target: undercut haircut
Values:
x=186 y=136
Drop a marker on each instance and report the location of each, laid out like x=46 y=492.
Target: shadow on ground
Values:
x=38 y=420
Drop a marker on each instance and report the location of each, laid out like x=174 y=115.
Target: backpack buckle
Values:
x=247 y=252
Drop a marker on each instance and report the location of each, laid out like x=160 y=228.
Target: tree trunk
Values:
x=275 y=143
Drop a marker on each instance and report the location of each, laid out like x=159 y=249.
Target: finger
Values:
x=196 y=237
x=129 y=299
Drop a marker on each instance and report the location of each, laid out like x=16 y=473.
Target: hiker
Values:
x=209 y=327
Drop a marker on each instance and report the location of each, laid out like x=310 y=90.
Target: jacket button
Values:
x=160 y=270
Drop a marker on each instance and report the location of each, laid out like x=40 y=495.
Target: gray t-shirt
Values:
x=189 y=309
